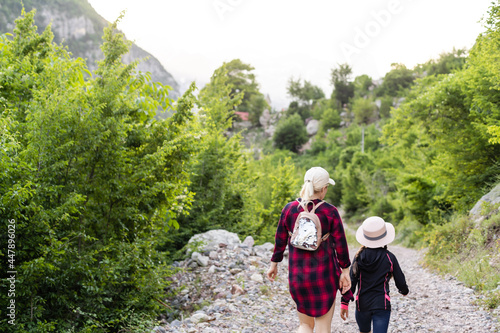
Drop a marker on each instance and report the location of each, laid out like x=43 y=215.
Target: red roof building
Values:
x=243 y=115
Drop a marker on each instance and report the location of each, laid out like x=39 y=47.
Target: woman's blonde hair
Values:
x=308 y=191
x=315 y=179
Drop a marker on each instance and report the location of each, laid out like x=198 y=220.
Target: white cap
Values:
x=319 y=178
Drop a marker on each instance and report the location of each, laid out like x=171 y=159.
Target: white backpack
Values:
x=307 y=232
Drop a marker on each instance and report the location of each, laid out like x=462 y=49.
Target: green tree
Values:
x=290 y=133
x=276 y=183
x=304 y=95
x=343 y=87
x=396 y=81
x=242 y=80
x=362 y=85
x=447 y=63
x=304 y=92
x=386 y=104
x=217 y=170
x=330 y=119
x=445 y=123
x=363 y=110
x=92 y=181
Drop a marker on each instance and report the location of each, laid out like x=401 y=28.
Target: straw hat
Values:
x=375 y=232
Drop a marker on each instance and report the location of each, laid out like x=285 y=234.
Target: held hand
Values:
x=345 y=281
x=344 y=314
x=272 y=272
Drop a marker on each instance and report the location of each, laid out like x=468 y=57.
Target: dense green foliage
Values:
x=231 y=189
x=290 y=133
x=304 y=97
x=469 y=251
x=241 y=80
x=343 y=86
x=431 y=145
x=84 y=178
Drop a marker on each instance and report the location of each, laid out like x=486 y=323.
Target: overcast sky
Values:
x=303 y=39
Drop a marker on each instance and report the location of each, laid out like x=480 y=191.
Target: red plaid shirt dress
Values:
x=313 y=275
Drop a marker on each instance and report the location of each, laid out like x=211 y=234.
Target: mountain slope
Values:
x=76 y=24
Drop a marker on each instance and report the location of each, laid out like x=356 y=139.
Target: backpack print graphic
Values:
x=307 y=231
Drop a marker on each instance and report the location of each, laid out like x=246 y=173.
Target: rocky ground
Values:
x=226 y=291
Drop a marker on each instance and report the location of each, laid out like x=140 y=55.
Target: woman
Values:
x=314 y=276
x=371 y=272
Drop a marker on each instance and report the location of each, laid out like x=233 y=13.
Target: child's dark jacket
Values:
x=376 y=267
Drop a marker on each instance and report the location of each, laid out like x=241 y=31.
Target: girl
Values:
x=370 y=273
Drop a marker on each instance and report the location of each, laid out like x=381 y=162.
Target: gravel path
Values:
x=435 y=304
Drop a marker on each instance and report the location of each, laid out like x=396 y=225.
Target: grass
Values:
x=470 y=251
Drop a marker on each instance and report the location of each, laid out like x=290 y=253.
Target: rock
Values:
x=209 y=330
x=264 y=250
x=213 y=255
x=175 y=323
x=159 y=329
x=235 y=271
x=269 y=132
x=249 y=242
x=489 y=199
x=265 y=118
x=199 y=317
x=200 y=259
x=210 y=240
x=257 y=278
x=192 y=264
x=312 y=127
x=237 y=290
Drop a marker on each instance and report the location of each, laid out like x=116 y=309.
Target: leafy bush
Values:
x=92 y=181
x=290 y=133
x=469 y=250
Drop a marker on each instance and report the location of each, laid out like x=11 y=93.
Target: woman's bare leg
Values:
x=306 y=323
x=324 y=323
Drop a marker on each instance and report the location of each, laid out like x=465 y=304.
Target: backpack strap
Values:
x=305 y=205
x=313 y=210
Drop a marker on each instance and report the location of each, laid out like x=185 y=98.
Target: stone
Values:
x=209 y=330
x=237 y=290
x=491 y=198
x=249 y=242
x=175 y=323
x=269 y=132
x=159 y=329
x=263 y=250
x=265 y=118
x=199 y=317
x=213 y=255
x=312 y=127
x=256 y=277
x=210 y=240
x=200 y=259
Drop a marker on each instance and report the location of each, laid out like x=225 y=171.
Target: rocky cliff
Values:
x=76 y=24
